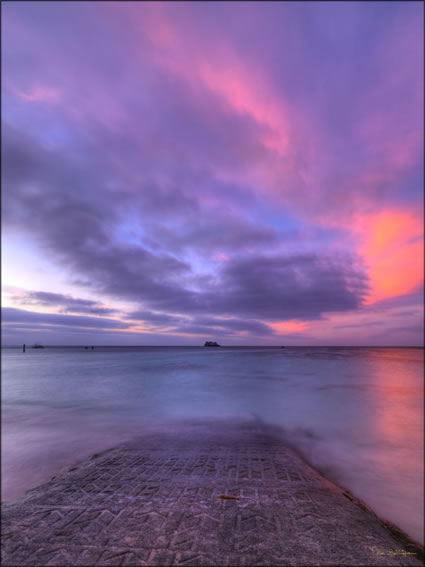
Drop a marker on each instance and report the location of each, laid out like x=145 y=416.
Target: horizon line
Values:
x=203 y=346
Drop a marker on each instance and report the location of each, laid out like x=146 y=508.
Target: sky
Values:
x=246 y=172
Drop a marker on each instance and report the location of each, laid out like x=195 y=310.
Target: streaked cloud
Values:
x=65 y=303
x=24 y=317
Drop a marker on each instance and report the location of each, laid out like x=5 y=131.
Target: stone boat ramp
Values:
x=230 y=494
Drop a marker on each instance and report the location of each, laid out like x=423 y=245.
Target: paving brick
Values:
x=234 y=499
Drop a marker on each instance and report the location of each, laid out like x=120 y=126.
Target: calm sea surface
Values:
x=355 y=413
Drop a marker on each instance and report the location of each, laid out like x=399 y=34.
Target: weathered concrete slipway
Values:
x=159 y=501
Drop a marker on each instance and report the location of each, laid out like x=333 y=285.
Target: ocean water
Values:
x=356 y=414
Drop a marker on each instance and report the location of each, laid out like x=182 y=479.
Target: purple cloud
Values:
x=66 y=303
x=23 y=317
x=214 y=167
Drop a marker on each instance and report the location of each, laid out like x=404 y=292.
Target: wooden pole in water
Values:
x=23 y=347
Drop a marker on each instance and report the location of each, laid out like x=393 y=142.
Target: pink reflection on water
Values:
x=397 y=459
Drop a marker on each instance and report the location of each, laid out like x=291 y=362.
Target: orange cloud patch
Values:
x=294 y=326
x=393 y=248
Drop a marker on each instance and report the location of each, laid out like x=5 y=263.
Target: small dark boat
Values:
x=211 y=344
x=37 y=346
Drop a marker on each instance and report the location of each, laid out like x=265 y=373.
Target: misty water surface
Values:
x=355 y=413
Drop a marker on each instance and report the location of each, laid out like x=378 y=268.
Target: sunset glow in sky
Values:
x=250 y=173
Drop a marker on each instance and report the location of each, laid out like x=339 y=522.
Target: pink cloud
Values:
x=217 y=68
x=40 y=94
x=293 y=326
x=220 y=257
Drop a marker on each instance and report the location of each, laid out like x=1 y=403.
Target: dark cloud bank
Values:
x=73 y=213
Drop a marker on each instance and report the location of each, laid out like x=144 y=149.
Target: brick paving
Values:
x=229 y=495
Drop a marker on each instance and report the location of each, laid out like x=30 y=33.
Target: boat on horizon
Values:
x=37 y=346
